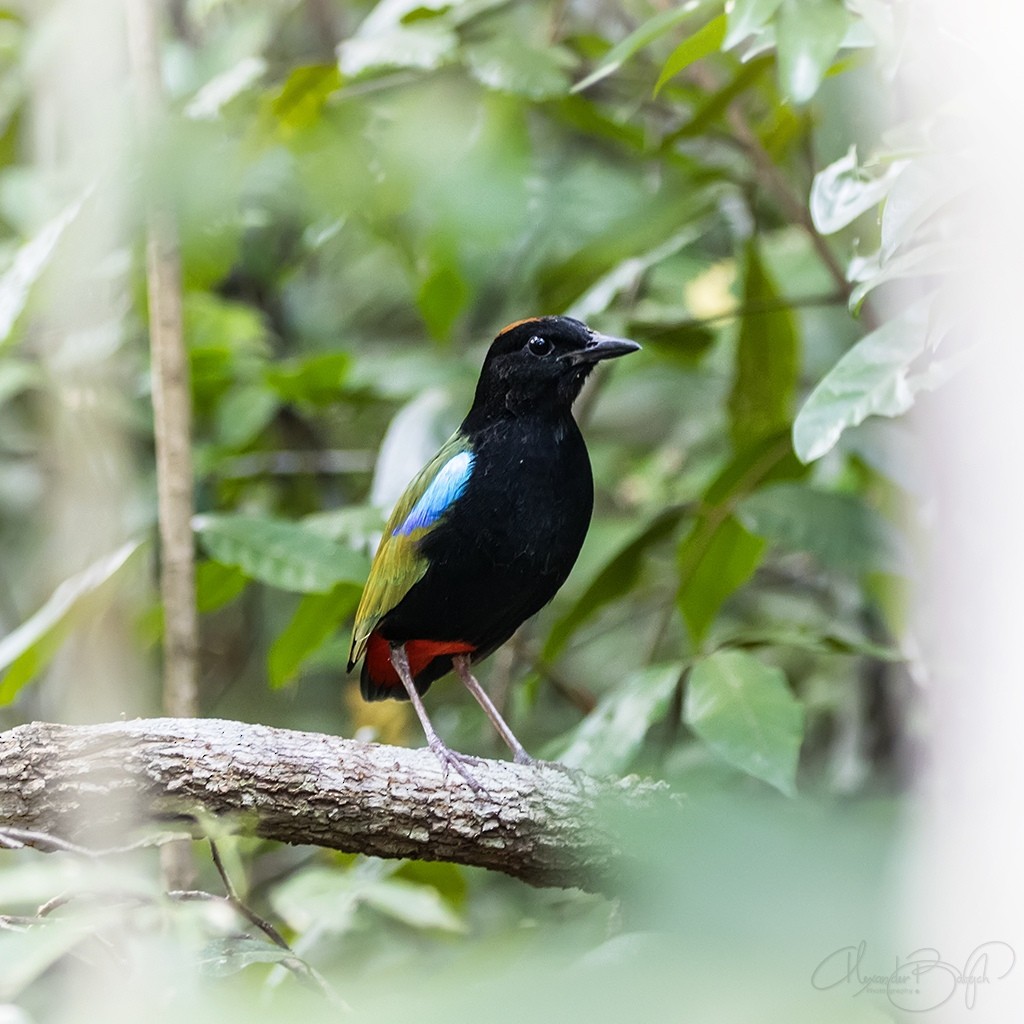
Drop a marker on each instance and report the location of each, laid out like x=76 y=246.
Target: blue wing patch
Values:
x=445 y=488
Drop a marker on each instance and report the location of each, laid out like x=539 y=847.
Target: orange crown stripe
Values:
x=518 y=323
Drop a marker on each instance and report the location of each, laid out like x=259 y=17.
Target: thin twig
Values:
x=837 y=298
x=294 y=962
x=171 y=415
x=171 y=399
x=19 y=838
x=249 y=914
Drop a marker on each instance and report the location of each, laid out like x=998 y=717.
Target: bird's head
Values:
x=541 y=364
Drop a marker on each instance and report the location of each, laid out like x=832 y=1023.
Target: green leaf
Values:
x=279 y=553
x=327 y=899
x=832 y=642
x=808 y=34
x=418 y=906
x=243 y=412
x=715 y=106
x=227 y=345
x=315 y=619
x=718 y=555
x=233 y=953
x=706 y=40
x=16 y=376
x=747 y=17
x=315 y=380
x=753 y=467
x=745 y=711
x=636 y=41
x=30 y=260
x=223 y=324
x=422 y=45
x=300 y=101
x=217 y=585
x=619 y=575
x=713 y=564
x=838 y=529
x=25 y=651
x=761 y=400
x=505 y=64
x=442 y=295
x=873 y=379
x=209 y=101
x=27 y=956
x=928 y=259
x=684 y=342
x=843 y=191
x=917 y=196
x=607 y=740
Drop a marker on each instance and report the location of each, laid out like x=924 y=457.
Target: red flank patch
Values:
x=419 y=652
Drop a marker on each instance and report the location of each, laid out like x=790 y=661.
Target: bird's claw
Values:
x=450 y=759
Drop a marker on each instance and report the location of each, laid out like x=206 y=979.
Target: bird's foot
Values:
x=450 y=759
x=522 y=757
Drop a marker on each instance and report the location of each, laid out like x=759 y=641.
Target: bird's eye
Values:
x=539 y=346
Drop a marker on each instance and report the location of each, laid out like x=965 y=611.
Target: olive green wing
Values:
x=398 y=564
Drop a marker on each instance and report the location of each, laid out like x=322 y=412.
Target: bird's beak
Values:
x=600 y=347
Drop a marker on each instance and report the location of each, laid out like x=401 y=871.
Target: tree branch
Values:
x=97 y=784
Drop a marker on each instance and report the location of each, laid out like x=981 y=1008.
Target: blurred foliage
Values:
x=365 y=194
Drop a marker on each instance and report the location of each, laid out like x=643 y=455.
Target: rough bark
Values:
x=96 y=785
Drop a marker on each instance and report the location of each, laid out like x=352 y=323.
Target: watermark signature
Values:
x=920 y=981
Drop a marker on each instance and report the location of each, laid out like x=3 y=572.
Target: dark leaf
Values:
x=761 y=400
x=315 y=619
x=619 y=575
x=650 y=30
x=714 y=561
x=745 y=711
x=838 y=529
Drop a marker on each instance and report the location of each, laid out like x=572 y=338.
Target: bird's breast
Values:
x=530 y=499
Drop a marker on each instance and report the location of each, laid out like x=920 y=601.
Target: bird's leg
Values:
x=519 y=754
x=448 y=757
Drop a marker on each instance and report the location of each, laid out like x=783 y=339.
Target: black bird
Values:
x=488 y=531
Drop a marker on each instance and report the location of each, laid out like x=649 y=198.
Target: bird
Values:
x=488 y=531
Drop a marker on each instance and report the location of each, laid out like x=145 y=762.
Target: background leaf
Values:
x=21 y=653
x=839 y=529
x=607 y=740
x=844 y=190
x=280 y=554
x=706 y=40
x=744 y=710
x=874 y=378
x=29 y=262
x=617 y=577
x=315 y=619
x=809 y=33
x=715 y=560
x=643 y=36
x=761 y=400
